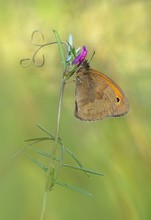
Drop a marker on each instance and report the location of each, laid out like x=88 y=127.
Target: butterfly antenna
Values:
x=91 y=57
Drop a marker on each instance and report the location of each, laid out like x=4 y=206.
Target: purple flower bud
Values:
x=80 y=58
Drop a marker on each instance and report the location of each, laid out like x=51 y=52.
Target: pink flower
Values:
x=81 y=57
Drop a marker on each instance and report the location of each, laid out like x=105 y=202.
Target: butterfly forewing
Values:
x=97 y=96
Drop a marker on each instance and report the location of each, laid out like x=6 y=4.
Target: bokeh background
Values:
x=120 y=33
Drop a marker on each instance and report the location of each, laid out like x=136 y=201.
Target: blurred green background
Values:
x=120 y=33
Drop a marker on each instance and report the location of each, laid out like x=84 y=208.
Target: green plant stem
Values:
x=44 y=206
x=51 y=162
x=51 y=165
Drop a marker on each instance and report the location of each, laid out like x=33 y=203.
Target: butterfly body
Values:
x=97 y=96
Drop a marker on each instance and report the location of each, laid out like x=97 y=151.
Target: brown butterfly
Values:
x=97 y=96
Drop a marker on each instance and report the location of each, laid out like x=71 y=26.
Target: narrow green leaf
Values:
x=74 y=157
x=43 y=153
x=18 y=153
x=60 y=48
x=39 y=139
x=84 y=169
x=36 y=162
x=47 y=132
x=43 y=129
x=34 y=142
x=9 y=163
x=74 y=188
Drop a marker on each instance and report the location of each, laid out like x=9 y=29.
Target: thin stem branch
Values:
x=59 y=110
x=51 y=176
x=44 y=206
x=51 y=162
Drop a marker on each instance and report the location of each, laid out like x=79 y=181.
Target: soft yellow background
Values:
x=120 y=33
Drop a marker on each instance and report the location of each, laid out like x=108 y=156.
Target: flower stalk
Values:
x=70 y=67
x=51 y=166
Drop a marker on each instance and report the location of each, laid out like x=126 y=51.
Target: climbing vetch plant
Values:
x=71 y=60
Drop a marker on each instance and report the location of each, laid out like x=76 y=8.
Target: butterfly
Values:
x=97 y=96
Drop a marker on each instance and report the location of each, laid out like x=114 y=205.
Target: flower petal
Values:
x=81 y=57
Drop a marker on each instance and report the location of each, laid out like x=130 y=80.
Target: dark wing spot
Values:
x=117 y=99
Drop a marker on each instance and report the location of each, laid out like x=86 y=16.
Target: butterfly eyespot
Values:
x=117 y=99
